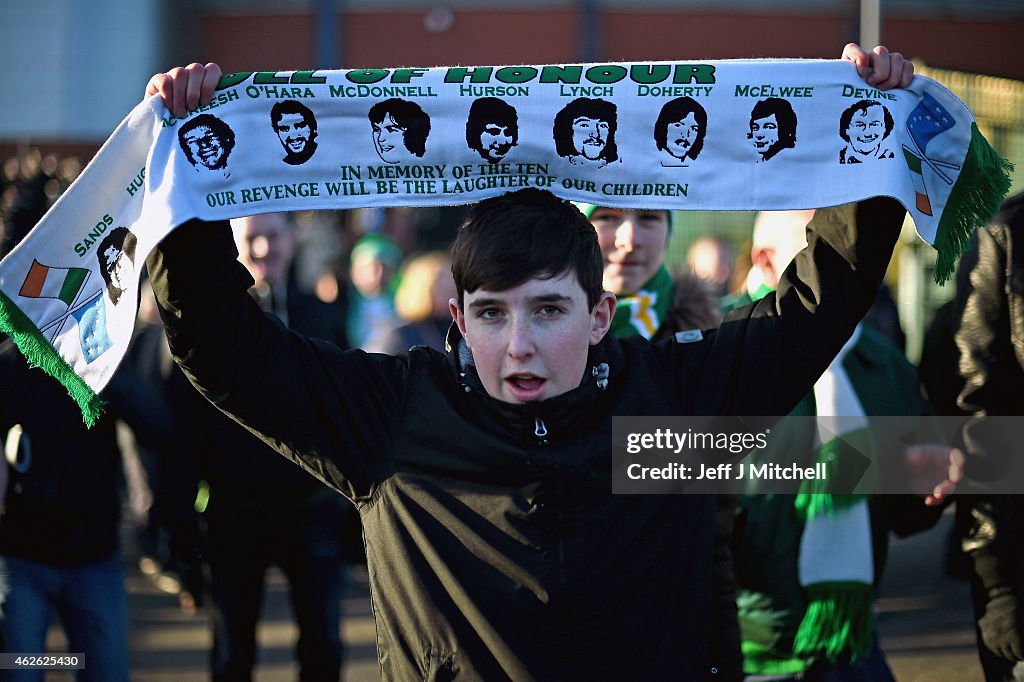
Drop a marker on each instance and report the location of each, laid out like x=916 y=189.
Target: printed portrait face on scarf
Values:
x=207 y=142
x=400 y=129
x=116 y=255
x=295 y=126
x=492 y=129
x=865 y=127
x=772 y=127
x=679 y=131
x=584 y=132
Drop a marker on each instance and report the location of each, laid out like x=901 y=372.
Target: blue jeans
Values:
x=91 y=602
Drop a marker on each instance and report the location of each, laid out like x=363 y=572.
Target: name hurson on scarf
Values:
x=722 y=135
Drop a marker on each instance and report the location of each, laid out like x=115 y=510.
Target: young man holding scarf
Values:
x=495 y=548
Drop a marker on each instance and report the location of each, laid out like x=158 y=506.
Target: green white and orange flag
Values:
x=716 y=135
x=61 y=283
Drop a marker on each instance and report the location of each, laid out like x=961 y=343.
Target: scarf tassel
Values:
x=39 y=353
x=838 y=621
x=974 y=199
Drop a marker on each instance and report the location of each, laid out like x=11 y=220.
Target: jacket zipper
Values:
x=540 y=430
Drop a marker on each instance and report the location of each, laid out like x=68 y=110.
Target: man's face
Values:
x=530 y=342
x=589 y=136
x=119 y=267
x=866 y=130
x=680 y=136
x=765 y=132
x=633 y=245
x=205 y=146
x=293 y=131
x=389 y=140
x=265 y=246
x=495 y=141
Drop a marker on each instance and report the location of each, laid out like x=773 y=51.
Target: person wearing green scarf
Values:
x=649 y=301
x=807 y=564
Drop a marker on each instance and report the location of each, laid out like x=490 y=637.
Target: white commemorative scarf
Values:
x=716 y=135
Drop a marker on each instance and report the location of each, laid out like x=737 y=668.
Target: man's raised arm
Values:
x=327 y=409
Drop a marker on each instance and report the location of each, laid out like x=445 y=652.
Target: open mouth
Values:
x=525 y=387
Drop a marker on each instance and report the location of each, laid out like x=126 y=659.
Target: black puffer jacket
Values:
x=497 y=551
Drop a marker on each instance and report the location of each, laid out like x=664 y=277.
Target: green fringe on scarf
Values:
x=762 y=660
x=843 y=604
x=975 y=198
x=39 y=353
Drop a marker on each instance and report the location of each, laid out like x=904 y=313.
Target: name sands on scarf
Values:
x=728 y=135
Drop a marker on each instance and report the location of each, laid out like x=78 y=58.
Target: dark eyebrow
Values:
x=551 y=298
x=497 y=302
x=486 y=303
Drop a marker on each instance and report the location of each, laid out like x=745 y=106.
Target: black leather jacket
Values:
x=990 y=339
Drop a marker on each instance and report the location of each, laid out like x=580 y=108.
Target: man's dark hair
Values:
x=591 y=108
x=784 y=116
x=508 y=240
x=219 y=128
x=862 y=107
x=122 y=239
x=410 y=116
x=676 y=110
x=490 y=110
x=290 y=106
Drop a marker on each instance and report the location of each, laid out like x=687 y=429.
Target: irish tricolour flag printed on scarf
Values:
x=928 y=120
x=44 y=281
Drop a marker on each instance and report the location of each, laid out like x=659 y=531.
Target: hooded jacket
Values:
x=495 y=547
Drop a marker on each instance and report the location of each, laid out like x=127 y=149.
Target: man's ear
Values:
x=458 y=316
x=601 y=317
